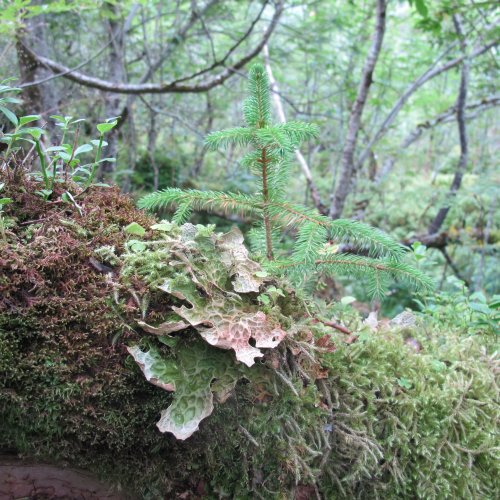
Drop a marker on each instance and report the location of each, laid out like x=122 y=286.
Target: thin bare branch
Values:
x=161 y=88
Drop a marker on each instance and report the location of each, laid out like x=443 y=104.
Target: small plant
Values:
x=378 y=256
x=60 y=162
x=3 y=201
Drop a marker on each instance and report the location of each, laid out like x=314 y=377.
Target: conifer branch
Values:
x=240 y=136
x=273 y=146
x=362 y=267
x=203 y=200
x=356 y=233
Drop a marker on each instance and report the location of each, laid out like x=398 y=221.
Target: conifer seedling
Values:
x=378 y=258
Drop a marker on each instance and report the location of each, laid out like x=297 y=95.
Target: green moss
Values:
x=371 y=419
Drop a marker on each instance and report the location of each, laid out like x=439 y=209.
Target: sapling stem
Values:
x=2 y=229
x=43 y=164
x=95 y=165
x=265 y=195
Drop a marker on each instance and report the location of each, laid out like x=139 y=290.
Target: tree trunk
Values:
x=347 y=164
x=462 y=132
x=40 y=99
x=113 y=107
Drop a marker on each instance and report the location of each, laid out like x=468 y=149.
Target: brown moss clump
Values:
x=67 y=393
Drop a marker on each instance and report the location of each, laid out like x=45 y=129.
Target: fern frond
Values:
x=239 y=136
x=203 y=200
x=257 y=106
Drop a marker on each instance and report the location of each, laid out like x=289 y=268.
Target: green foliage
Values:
x=430 y=410
x=269 y=160
x=459 y=309
x=57 y=163
x=400 y=421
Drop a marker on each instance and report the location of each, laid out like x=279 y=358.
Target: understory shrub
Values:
x=401 y=409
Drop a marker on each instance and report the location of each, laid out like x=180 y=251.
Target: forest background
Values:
x=404 y=94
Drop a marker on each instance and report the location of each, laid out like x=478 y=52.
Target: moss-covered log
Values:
x=319 y=415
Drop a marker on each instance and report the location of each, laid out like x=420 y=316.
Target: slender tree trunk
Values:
x=201 y=150
x=40 y=99
x=462 y=132
x=116 y=34
x=152 y=137
x=347 y=164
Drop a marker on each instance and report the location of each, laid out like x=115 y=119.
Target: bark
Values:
x=152 y=137
x=462 y=132
x=41 y=99
x=347 y=163
x=176 y=86
x=201 y=150
x=116 y=33
x=487 y=232
x=20 y=479
x=282 y=118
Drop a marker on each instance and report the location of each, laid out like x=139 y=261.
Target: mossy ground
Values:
x=371 y=419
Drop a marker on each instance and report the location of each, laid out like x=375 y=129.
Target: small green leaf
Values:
x=479 y=307
x=164 y=226
x=264 y=299
x=438 y=366
x=421 y=8
x=347 y=300
x=35 y=132
x=44 y=193
x=261 y=274
x=84 y=148
x=137 y=246
x=479 y=297
x=494 y=304
x=404 y=383
x=134 y=228
x=5 y=201
x=64 y=156
x=10 y=115
x=106 y=127
x=28 y=119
